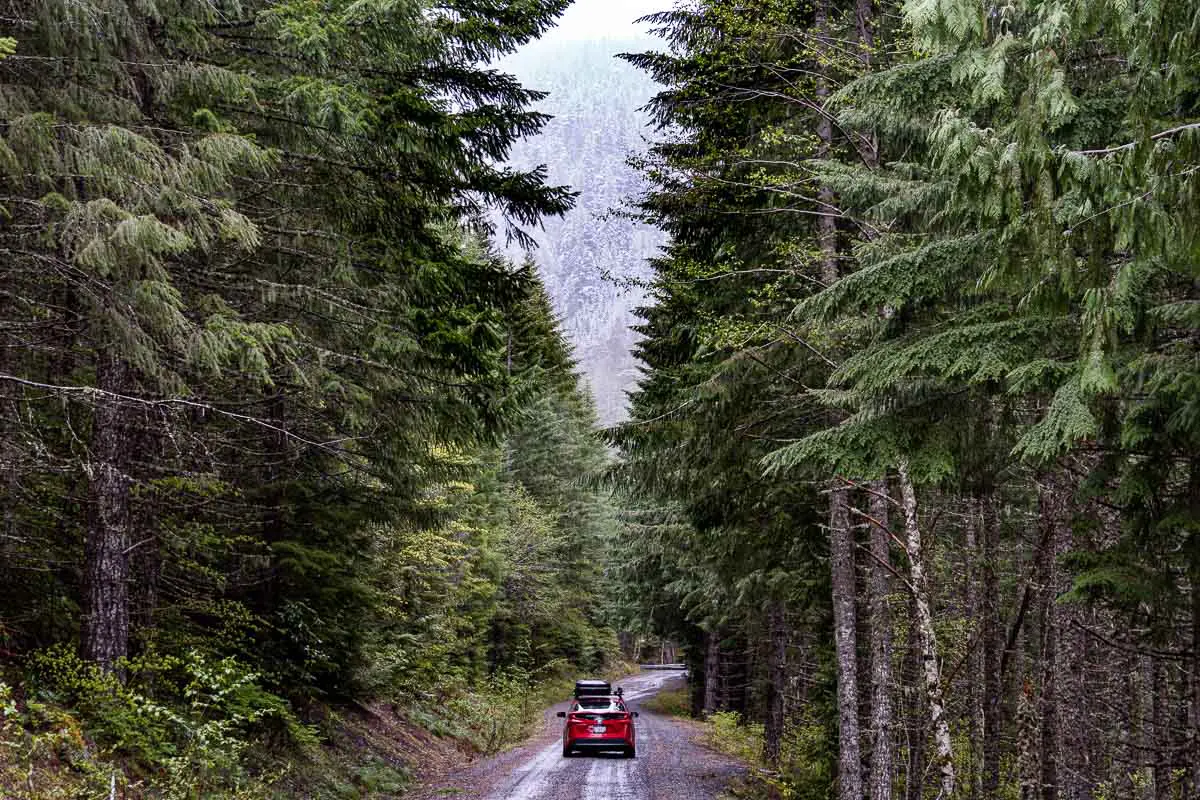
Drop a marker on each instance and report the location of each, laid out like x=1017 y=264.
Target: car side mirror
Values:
x=635 y=713
x=561 y=714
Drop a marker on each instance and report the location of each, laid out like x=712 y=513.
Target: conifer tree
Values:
x=1009 y=239
x=252 y=245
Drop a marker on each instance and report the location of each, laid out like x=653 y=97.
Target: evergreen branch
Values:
x=864 y=147
x=796 y=338
x=829 y=209
x=1130 y=145
x=1109 y=210
x=95 y=392
x=750 y=354
x=664 y=415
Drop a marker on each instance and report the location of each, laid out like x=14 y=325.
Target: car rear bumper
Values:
x=598 y=743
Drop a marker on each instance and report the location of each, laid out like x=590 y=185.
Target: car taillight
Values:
x=594 y=718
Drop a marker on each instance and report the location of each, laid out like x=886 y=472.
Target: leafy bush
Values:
x=43 y=752
x=183 y=724
x=727 y=734
x=804 y=771
x=502 y=709
x=675 y=703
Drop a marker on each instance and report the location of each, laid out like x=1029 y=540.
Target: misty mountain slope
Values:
x=594 y=98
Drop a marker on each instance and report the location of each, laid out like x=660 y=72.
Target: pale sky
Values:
x=597 y=19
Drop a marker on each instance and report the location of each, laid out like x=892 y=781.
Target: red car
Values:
x=599 y=723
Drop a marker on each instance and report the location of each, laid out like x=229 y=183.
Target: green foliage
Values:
x=186 y=724
x=674 y=703
x=804 y=770
x=980 y=265
x=274 y=367
x=503 y=709
x=36 y=734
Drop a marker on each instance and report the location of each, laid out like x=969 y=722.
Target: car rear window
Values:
x=598 y=704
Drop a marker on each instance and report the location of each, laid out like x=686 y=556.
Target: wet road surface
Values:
x=669 y=765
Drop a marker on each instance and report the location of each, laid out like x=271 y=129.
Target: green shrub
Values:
x=727 y=734
x=674 y=703
x=804 y=771
x=43 y=753
x=182 y=725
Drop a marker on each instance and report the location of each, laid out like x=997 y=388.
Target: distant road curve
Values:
x=669 y=766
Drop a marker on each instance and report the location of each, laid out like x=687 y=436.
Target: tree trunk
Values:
x=827 y=221
x=145 y=550
x=990 y=646
x=1027 y=739
x=1194 y=579
x=1195 y=679
x=776 y=682
x=841 y=543
x=1048 y=708
x=914 y=714
x=974 y=682
x=1161 y=776
x=880 y=779
x=939 y=725
x=864 y=18
x=841 y=557
x=1052 y=506
x=105 y=634
x=712 y=671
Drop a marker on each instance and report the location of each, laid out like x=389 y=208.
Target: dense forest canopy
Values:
x=278 y=426
x=915 y=455
x=912 y=469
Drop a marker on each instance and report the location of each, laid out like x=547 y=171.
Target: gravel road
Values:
x=669 y=765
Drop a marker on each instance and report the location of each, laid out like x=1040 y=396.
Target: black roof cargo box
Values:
x=592 y=688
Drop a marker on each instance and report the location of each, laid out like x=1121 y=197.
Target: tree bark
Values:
x=864 y=18
x=841 y=556
x=145 y=550
x=105 y=634
x=1194 y=580
x=776 y=682
x=1052 y=506
x=990 y=645
x=914 y=714
x=1027 y=739
x=974 y=680
x=841 y=543
x=1195 y=678
x=827 y=221
x=712 y=671
x=939 y=725
x=880 y=778
x=1161 y=776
